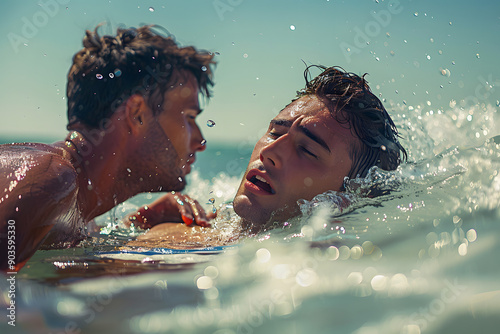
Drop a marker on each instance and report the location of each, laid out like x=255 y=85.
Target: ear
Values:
x=136 y=109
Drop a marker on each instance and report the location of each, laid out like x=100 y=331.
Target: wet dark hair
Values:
x=110 y=69
x=350 y=101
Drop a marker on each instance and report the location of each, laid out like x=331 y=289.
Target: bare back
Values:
x=38 y=200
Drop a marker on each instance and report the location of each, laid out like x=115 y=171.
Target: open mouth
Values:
x=260 y=182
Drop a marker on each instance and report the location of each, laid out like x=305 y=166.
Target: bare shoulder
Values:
x=38 y=190
x=35 y=170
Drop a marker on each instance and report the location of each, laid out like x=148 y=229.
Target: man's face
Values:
x=304 y=152
x=176 y=135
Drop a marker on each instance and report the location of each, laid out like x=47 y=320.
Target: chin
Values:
x=173 y=184
x=249 y=212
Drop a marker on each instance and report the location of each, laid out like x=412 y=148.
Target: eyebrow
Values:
x=282 y=122
x=317 y=139
x=304 y=130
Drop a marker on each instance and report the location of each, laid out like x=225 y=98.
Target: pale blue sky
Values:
x=260 y=62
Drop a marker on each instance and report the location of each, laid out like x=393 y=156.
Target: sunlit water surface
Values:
x=421 y=259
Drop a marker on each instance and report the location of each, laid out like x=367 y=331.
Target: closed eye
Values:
x=307 y=152
x=274 y=135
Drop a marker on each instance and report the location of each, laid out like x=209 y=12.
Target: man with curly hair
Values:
x=132 y=108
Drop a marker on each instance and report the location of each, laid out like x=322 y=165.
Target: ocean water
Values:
x=419 y=260
x=422 y=259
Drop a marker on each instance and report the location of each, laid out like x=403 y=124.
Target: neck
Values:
x=98 y=162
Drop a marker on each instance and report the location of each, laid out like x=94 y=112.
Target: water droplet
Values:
x=477 y=55
x=377 y=58
x=292 y=27
x=151 y=9
x=210 y=123
x=453 y=62
x=428 y=57
x=204 y=68
x=203 y=142
x=211 y=200
x=415 y=14
x=498 y=103
x=180 y=179
x=99 y=76
x=118 y=72
x=129 y=170
x=214 y=210
x=245 y=55
x=111 y=75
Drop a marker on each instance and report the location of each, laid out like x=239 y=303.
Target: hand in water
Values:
x=172 y=207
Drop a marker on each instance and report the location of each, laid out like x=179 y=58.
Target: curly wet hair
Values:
x=110 y=69
x=351 y=102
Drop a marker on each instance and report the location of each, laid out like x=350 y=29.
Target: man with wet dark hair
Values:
x=132 y=108
x=350 y=101
x=335 y=128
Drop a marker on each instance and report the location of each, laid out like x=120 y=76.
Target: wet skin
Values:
x=49 y=192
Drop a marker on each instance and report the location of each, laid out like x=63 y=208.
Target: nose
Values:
x=198 y=143
x=274 y=154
